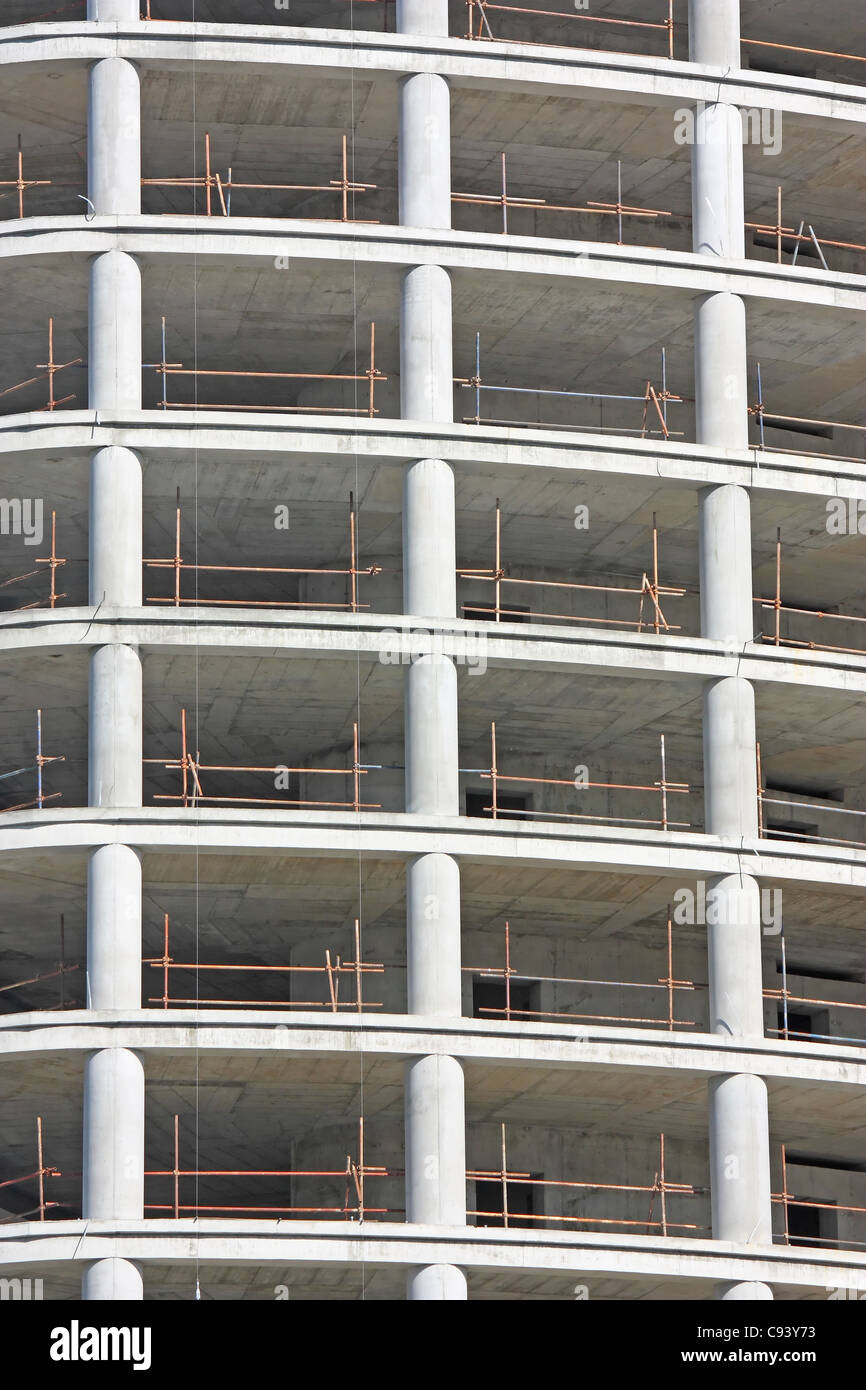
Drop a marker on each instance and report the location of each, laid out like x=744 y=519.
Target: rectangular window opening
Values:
x=479 y=804
x=488 y=998
x=525 y=1200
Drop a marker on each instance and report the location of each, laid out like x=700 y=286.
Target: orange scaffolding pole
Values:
x=332 y=970
x=192 y=794
x=212 y=182
x=20 y=184
x=478 y=25
x=178 y=565
x=356 y=1173
x=60 y=973
x=51 y=369
x=497 y=575
x=666 y=982
x=660 y=1185
x=167 y=369
x=777 y=607
x=505 y=200
x=662 y=787
x=54 y=563
x=40 y=1173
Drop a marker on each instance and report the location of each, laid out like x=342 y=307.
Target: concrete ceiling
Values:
x=270 y=710
x=228 y=511
x=535 y=332
x=248 y=1111
x=561 y=149
x=277 y=910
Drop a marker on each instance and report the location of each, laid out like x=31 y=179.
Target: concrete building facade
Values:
x=448 y=799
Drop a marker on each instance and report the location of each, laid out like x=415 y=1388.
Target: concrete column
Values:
x=725 y=535
x=738 y=1112
x=115 y=528
x=429 y=544
x=740 y=1160
x=714 y=32
x=114 y=135
x=115 y=727
x=437 y=1282
x=430 y=714
x=742 y=1292
x=434 y=1092
x=114 y=928
x=718 y=207
x=426 y=370
x=425 y=151
x=429 y=552
x=734 y=948
x=433 y=955
x=113 y=1168
x=113 y=1161
x=717 y=152
x=435 y=1142
x=112 y=1281
x=114 y=11
x=422 y=17
x=730 y=776
x=721 y=382
x=114 y=345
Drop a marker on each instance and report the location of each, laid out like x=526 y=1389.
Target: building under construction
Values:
x=432 y=537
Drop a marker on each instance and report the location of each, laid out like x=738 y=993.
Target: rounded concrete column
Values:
x=113 y=1170
x=426 y=352
x=425 y=151
x=753 y=1293
x=113 y=1161
x=113 y=1175
x=734 y=956
x=112 y=1281
x=721 y=382
x=114 y=11
x=740 y=1160
x=433 y=948
x=717 y=145
x=718 y=204
x=430 y=692
x=422 y=17
x=115 y=727
x=437 y=1282
x=115 y=528
x=429 y=545
x=114 y=928
x=725 y=537
x=714 y=33
x=738 y=1113
x=114 y=345
x=114 y=133
x=435 y=1142
x=730 y=773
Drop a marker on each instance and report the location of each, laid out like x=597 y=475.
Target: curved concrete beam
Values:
x=540 y=1046
x=217 y=1241
x=334 y=834
x=515 y=67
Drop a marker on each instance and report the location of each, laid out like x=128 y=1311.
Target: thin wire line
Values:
x=196 y=657
x=361 y=917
